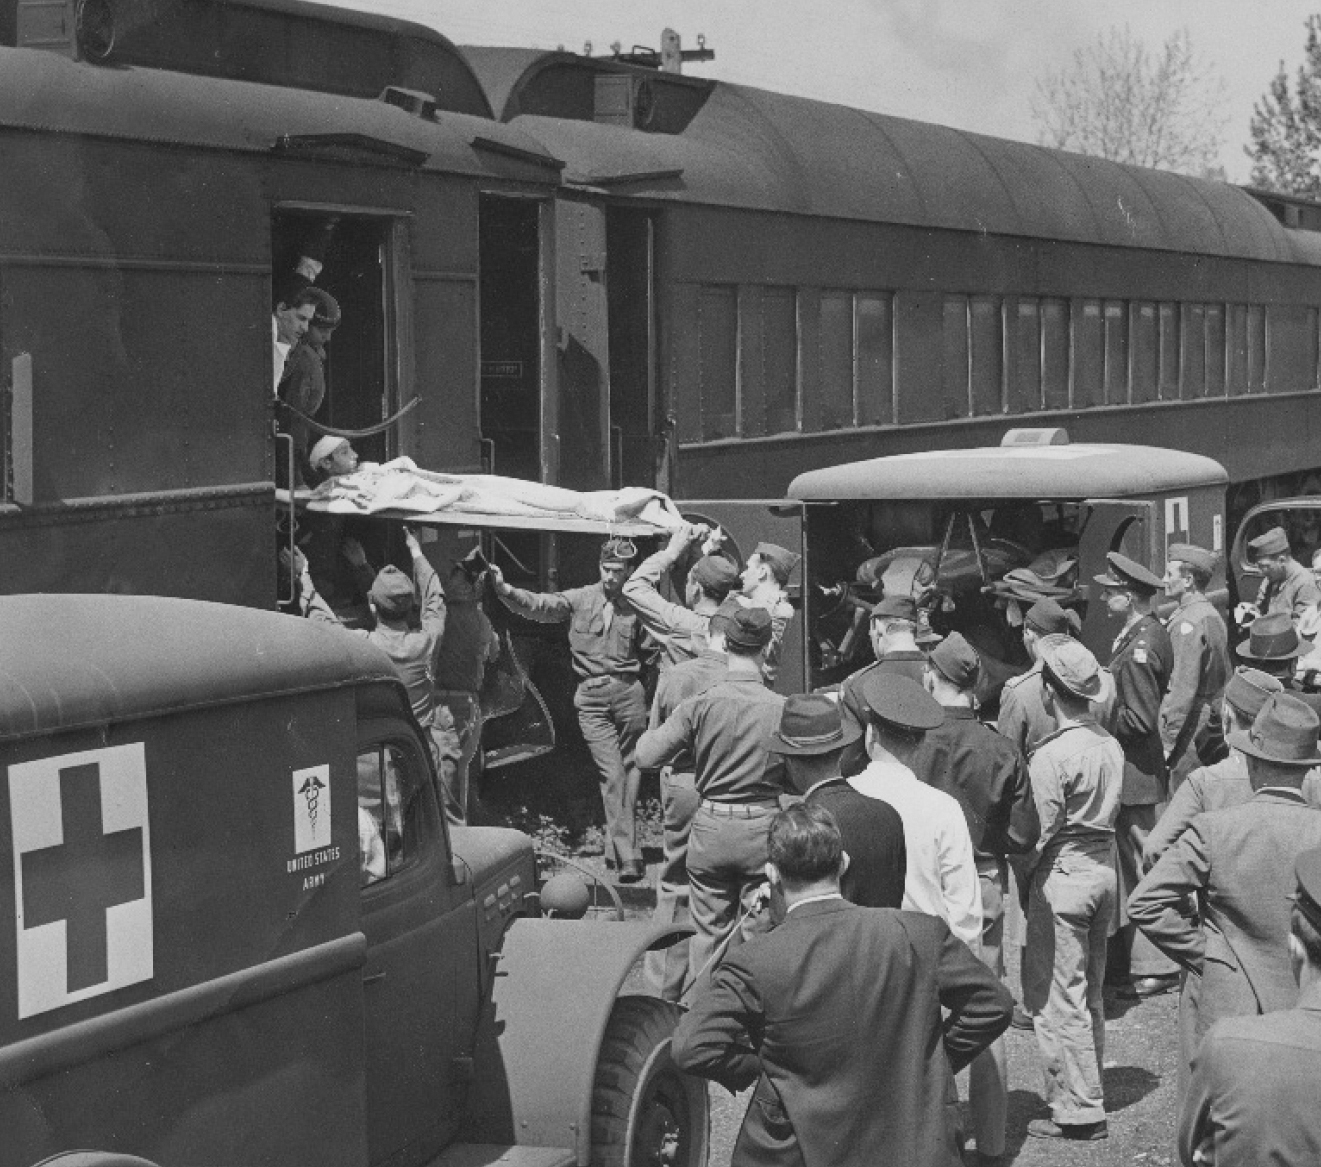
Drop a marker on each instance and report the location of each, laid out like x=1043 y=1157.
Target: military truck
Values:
x=238 y=930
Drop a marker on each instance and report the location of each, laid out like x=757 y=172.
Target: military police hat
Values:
x=1273 y=542
x=895 y=608
x=1307 y=873
x=1128 y=575
x=716 y=574
x=392 y=593
x=749 y=629
x=1192 y=555
x=898 y=702
x=956 y=660
x=1071 y=665
x=779 y=559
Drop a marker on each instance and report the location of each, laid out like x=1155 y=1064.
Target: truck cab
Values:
x=240 y=931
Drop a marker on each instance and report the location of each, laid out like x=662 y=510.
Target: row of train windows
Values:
x=776 y=360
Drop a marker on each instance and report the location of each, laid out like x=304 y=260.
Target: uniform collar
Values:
x=1281 y=794
x=959 y=713
x=808 y=901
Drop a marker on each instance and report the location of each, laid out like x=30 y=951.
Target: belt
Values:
x=742 y=810
x=605 y=678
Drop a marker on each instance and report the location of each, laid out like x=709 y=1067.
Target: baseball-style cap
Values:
x=895 y=608
x=750 y=629
x=1071 y=665
x=898 y=702
x=1129 y=575
x=1192 y=555
x=1248 y=689
x=1273 y=542
x=779 y=559
x=956 y=660
x=716 y=574
x=392 y=593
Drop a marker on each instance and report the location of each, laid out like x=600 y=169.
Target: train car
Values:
x=828 y=284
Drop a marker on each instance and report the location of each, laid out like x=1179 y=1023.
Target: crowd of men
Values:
x=849 y=860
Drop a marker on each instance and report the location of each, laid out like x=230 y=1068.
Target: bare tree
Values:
x=1119 y=101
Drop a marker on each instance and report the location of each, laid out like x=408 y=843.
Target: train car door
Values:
x=637 y=453
x=748 y=522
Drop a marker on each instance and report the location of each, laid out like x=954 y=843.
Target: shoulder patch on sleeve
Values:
x=1140 y=655
x=1185 y=628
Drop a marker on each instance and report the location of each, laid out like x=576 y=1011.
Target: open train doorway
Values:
x=636 y=437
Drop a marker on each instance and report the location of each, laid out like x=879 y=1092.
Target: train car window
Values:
x=956 y=373
x=717 y=363
x=1055 y=354
x=918 y=385
x=1169 y=352
x=1236 y=350
x=1022 y=355
x=1088 y=355
x=1292 y=338
x=1256 y=348
x=875 y=359
x=1215 y=350
x=779 y=354
x=1116 y=353
x=1144 y=353
x=1193 y=382
x=835 y=360
x=987 y=365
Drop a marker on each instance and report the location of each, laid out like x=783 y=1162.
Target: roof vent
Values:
x=1054 y=436
x=413 y=101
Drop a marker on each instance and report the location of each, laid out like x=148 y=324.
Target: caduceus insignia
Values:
x=311 y=792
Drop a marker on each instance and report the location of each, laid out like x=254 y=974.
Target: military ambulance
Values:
x=975 y=536
x=238 y=932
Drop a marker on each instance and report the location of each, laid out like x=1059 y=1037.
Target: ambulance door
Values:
x=420 y=928
x=748 y=522
x=1128 y=526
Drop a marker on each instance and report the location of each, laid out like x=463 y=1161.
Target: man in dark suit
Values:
x=1238 y=864
x=836 y=1015
x=812 y=736
x=1254 y=1089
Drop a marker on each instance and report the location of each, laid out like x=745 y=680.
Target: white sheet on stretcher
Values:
x=400 y=485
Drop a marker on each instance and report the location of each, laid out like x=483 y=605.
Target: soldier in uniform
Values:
x=1288 y=586
x=680 y=631
x=1141 y=662
x=1023 y=719
x=1201 y=660
x=1077 y=775
x=738 y=783
x=604 y=635
x=766 y=583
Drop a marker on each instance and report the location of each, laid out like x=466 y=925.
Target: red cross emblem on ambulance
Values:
x=82 y=875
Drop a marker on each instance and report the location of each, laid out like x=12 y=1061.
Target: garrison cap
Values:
x=956 y=660
x=327 y=308
x=1273 y=542
x=779 y=559
x=1049 y=618
x=722 y=619
x=1071 y=665
x=1129 y=575
x=619 y=551
x=750 y=629
x=1307 y=899
x=895 y=608
x=1192 y=555
x=1272 y=637
x=716 y=574
x=392 y=593
x=1284 y=732
x=1248 y=689
x=899 y=703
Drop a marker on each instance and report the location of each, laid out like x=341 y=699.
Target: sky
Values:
x=971 y=64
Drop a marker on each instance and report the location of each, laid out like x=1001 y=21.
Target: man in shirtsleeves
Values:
x=604 y=635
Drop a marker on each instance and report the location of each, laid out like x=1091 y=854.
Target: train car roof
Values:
x=752 y=148
x=73 y=661
x=1016 y=472
x=44 y=92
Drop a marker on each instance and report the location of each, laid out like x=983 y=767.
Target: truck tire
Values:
x=645 y=1112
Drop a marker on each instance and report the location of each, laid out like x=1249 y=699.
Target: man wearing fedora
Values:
x=1077 y=775
x=1254 y=1082
x=1142 y=659
x=1237 y=864
x=680 y=629
x=811 y=739
x=604 y=641
x=1201 y=660
x=1288 y=587
x=738 y=782
x=1274 y=646
x=986 y=775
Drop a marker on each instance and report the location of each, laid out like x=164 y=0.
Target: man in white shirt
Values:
x=941 y=877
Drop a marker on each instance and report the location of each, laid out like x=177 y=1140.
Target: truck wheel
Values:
x=645 y=1113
